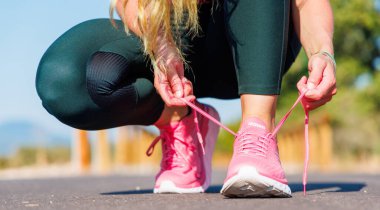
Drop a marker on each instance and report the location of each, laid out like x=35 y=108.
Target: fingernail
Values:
x=310 y=85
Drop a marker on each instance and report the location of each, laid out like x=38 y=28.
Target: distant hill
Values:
x=14 y=134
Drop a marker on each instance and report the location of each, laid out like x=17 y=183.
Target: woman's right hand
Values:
x=169 y=79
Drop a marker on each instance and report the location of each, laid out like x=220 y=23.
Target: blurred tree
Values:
x=354 y=111
x=27 y=156
x=4 y=163
x=357 y=26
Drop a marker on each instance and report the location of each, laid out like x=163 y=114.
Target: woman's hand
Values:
x=321 y=82
x=314 y=24
x=169 y=79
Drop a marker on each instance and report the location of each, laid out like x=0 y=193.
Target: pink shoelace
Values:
x=275 y=131
x=259 y=147
x=171 y=152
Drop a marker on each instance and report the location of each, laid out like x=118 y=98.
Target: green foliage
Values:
x=356 y=27
x=58 y=155
x=355 y=113
x=26 y=156
x=4 y=163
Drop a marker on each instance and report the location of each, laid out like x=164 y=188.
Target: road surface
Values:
x=325 y=191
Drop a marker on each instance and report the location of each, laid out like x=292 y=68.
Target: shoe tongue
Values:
x=253 y=123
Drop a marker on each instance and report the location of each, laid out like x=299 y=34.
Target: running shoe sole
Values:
x=249 y=183
x=169 y=187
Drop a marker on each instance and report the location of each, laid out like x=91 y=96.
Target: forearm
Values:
x=129 y=15
x=314 y=23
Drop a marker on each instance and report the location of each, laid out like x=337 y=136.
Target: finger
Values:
x=301 y=85
x=188 y=95
x=321 y=92
x=173 y=100
x=328 y=96
x=187 y=86
x=311 y=105
x=326 y=86
x=179 y=102
x=190 y=98
x=165 y=92
x=175 y=83
x=316 y=68
x=164 y=88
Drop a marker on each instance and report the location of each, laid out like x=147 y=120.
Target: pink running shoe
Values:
x=255 y=169
x=187 y=148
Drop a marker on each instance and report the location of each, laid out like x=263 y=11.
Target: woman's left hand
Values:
x=171 y=83
x=321 y=82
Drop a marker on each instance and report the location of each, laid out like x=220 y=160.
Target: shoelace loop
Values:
x=171 y=149
x=275 y=131
x=150 y=149
x=171 y=153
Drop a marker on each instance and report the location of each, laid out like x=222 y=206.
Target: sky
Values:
x=28 y=28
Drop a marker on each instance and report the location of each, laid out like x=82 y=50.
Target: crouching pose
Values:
x=96 y=76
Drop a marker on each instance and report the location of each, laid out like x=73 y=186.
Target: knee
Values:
x=48 y=81
x=106 y=79
x=58 y=87
x=99 y=81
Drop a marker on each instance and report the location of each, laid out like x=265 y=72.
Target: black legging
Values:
x=95 y=76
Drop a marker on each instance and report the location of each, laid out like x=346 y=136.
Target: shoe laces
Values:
x=174 y=156
x=250 y=143
x=262 y=147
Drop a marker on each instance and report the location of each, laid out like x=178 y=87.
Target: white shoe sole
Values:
x=168 y=186
x=249 y=183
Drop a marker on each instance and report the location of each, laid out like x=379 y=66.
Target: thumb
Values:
x=176 y=75
x=175 y=83
x=301 y=85
x=316 y=67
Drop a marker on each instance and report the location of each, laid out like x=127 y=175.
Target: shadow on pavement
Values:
x=295 y=187
x=214 y=189
x=129 y=192
x=211 y=189
x=329 y=186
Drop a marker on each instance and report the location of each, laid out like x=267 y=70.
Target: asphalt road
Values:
x=325 y=192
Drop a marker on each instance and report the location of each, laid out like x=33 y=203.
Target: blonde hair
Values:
x=164 y=18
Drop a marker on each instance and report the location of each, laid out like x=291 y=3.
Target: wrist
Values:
x=317 y=43
x=164 y=50
x=324 y=48
x=330 y=57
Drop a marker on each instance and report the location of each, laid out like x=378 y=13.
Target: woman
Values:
x=96 y=77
